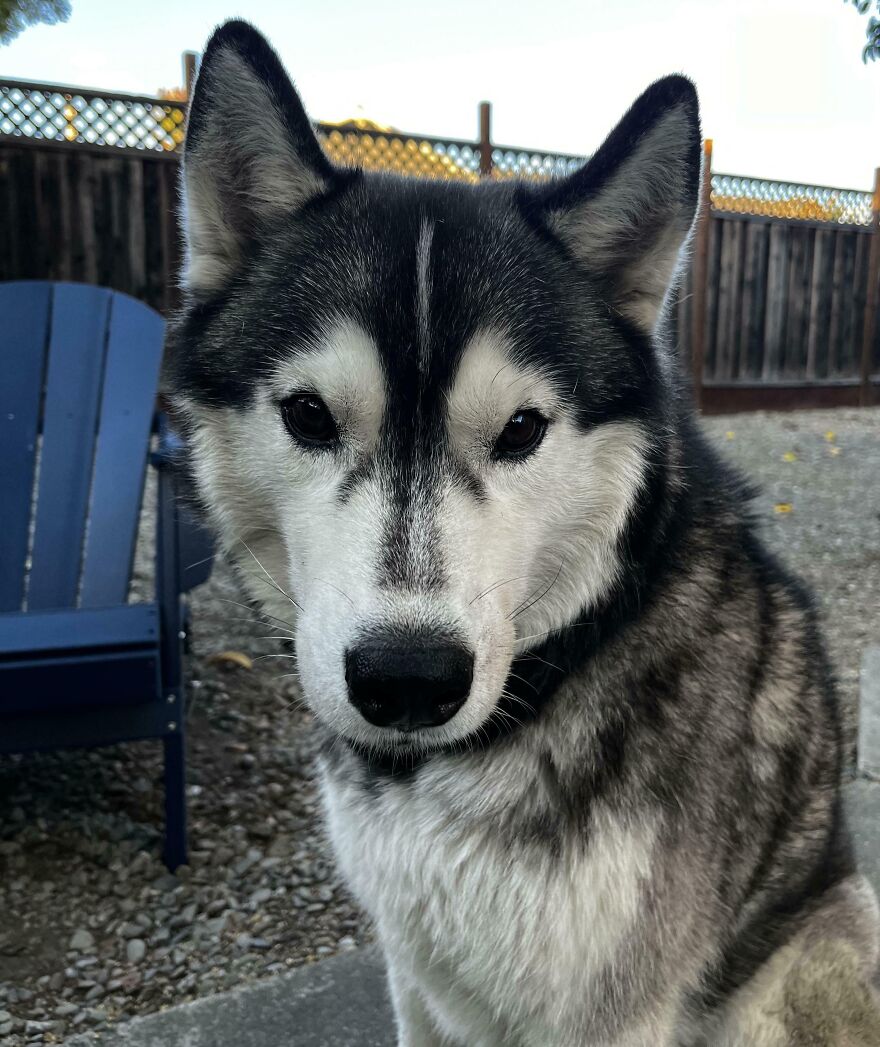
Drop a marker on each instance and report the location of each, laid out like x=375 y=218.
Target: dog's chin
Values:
x=407 y=746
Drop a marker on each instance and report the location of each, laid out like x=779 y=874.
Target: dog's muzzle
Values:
x=408 y=681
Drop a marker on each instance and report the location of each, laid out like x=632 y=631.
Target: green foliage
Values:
x=17 y=15
x=872 y=31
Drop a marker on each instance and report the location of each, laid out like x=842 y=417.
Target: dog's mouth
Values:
x=416 y=714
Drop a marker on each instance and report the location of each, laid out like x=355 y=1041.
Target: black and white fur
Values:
x=630 y=833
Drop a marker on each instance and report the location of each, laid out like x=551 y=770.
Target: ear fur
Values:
x=627 y=213
x=250 y=158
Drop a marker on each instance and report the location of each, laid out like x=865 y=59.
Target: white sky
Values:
x=784 y=91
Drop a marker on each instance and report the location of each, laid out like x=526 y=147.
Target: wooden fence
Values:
x=94 y=215
x=775 y=312
x=785 y=305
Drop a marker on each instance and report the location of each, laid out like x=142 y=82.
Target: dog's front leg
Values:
x=415 y=1026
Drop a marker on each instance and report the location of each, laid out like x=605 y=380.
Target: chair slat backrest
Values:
x=74 y=370
x=98 y=365
x=134 y=353
x=24 y=335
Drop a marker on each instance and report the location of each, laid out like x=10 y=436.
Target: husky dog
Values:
x=583 y=753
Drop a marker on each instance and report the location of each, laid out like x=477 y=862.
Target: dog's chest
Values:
x=465 y=907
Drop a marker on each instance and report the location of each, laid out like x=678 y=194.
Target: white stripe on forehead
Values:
x=343 y=367
x=423 y=294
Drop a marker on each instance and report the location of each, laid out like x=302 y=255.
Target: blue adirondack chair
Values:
x=79 y=665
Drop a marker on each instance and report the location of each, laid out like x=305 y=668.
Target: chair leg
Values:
x=175 y=801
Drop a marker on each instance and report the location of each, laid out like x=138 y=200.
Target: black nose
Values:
x=408 y=682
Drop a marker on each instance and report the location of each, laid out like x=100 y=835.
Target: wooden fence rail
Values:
x=788 y=307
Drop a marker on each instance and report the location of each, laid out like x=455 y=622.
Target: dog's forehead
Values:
x=424 y=271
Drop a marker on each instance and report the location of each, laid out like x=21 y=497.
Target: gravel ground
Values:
x=93 y=929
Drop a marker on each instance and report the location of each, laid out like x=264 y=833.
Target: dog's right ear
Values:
x=251 y=156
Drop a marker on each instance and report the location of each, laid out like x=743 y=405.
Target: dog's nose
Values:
x=408 y=682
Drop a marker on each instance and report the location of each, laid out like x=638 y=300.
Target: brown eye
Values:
x=308 y=420
x=521 y=435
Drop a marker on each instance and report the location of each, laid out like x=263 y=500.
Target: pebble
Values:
x=136 y=950
x=82 y=940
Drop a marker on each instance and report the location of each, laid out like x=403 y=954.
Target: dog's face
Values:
x=421 y=414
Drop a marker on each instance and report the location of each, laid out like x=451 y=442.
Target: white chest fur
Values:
x=491 y=929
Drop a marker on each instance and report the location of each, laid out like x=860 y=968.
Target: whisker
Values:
x=496 y=585
x=272 y=581
x=529 y=602
x=337 y=589
x=254 y=610
x=528 y=683
x=528 y=656
x=555 y=629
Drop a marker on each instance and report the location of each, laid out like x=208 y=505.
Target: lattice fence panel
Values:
x=390 y=151
x=790 y=200
x=523 y=163
x=91 y=119
x=58 y=113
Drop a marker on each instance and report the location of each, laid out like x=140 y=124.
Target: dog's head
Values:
x=422 y=414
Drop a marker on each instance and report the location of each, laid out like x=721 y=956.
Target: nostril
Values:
x=408 y=681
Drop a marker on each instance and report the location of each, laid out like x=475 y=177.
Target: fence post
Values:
x=190 y=68
x=701 y=275
x=870 y=328
x=485 y=145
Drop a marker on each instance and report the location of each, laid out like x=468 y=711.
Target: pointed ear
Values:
x=626 y=214
x=251 y=156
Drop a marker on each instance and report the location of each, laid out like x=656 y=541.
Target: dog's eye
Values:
x=521 y=435
x=308 y=420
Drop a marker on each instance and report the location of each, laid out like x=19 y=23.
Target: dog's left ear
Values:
x=251 y=158
x=626 y=214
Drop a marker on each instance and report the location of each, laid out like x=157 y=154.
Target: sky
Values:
x=784 y=92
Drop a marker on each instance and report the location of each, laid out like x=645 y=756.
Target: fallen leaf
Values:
x=783 y=507
x=834 y=450
x=730 y=434
x=789 y=456
x=230 y=658
x=830 y=436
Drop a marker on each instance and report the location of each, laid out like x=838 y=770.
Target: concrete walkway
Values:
x=343 y=1002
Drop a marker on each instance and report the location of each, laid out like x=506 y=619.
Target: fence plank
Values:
x=754 y=297
x=729 y=299
x=848 y=351
x=817 y=341
x=85 y=196
x=798 y=301
x=8 y=242
x=726 y=293
x=870 y=341
x=836 y=309
x=135 y=237
x=777 y=281
x=713 y=271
